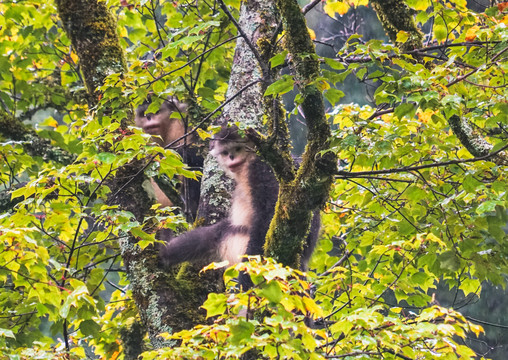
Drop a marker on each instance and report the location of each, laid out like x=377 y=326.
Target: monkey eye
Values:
x=224 y=152
x=238 y=148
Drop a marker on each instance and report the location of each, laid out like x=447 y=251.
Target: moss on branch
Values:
x=472 y=141
x=13 y=129
x=310 y=187
x=92 y=31
x=395 y=16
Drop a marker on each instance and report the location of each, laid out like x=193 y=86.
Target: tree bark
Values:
x=309 y=189
x=395 y=16
x=257 y=20
x=92 y=31
x=158 y=295
x=169 y=301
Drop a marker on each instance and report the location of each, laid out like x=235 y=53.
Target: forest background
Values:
x=412 y=258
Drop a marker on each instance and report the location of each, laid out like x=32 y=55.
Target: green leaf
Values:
x=334 y=64
x=241 y=332
x=361 y=73
x=139 y=233
x=106 y=157
x=215 y=304
x=271 y=291
x=488 y=206
x=333 y=95
x=281 y=86
x=415 y=193
x=440 y=30
x=449 y=261
x=278 y=59
x=89 y=328
x=470 y=184
x=66 y=306
x=7 y=333
x=405 y=110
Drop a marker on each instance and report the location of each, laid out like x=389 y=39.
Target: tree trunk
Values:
x=170 y=301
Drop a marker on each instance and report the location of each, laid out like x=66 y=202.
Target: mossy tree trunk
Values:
x=170 y=301
x=165 y=300
x=395 y=16
x=257 y=20
x=306 y=190
x=92 y=31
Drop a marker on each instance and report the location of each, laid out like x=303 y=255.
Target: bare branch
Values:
x=348 y=174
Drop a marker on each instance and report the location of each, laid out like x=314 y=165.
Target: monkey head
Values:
x=161 y=123
x=233 y=153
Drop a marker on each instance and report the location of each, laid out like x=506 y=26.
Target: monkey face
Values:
x=160 y=124
x=232 y=156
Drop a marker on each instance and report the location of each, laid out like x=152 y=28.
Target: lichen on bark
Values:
x=472 y=141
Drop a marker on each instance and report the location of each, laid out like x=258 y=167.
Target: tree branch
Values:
x=13 y=129
x=251 y=46
x=348 y=174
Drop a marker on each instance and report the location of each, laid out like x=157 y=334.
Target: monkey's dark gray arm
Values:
x=200 y=243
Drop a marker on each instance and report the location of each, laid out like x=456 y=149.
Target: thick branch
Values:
x=310 y=188
x=395 y=16
x=13 y=129
x=92 y=31
x=473 y=142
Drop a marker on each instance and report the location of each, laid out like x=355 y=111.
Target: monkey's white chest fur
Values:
x=235 y=244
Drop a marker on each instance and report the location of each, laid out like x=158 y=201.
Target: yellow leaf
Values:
x=312 y=34
x=337 y=7
x=421 y=5
x=471 y=33
x=477 y=329
x=425 y=116
x=214 y=266
x=203 y=135
x=402 y=36
x=50 y=122
x=312 y=307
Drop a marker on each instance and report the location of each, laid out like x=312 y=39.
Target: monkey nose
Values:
x=232 y=157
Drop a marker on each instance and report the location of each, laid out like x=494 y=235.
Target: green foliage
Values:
x=409 y=209
x=62 y=281
x=271 y=320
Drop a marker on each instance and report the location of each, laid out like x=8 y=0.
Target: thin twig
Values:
x=191 y=60
x=310 y=6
